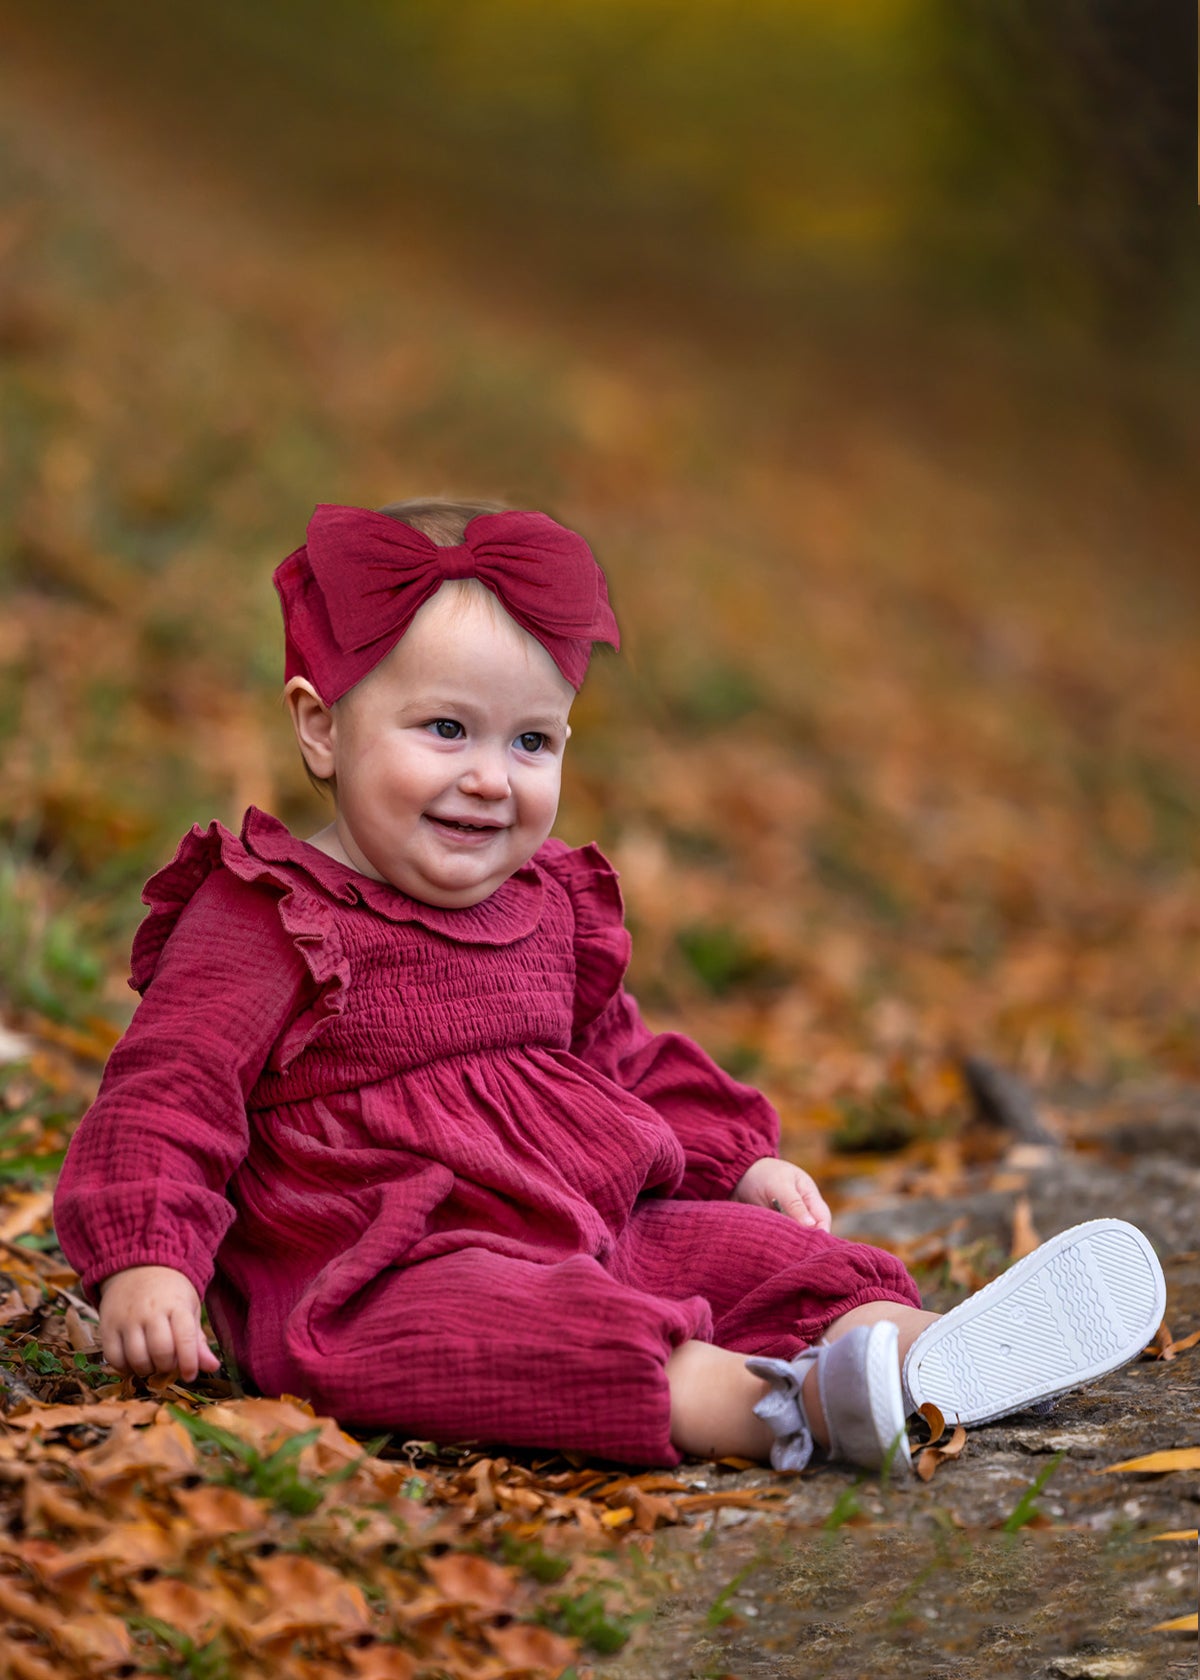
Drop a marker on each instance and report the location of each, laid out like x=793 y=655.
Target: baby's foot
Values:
x=858 y=1376
x=1083 y=1304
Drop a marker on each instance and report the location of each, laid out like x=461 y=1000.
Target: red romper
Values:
x=450 y=1184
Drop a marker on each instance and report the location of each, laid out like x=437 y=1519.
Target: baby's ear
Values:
x=315 y=727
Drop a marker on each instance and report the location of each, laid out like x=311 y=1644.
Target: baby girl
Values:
x=388 y=1109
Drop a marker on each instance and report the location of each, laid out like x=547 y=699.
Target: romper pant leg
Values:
x=773 y=1286
x=479 y=1346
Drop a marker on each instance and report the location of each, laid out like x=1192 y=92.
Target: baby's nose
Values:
x=486 y=776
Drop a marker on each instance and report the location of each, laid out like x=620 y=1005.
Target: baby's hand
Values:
x=150 y=1321
x=786 y=1188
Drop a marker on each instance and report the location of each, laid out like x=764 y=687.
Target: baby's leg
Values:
x=713 y=1395
x=1083 y=1304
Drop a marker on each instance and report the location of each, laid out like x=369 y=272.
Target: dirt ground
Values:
x=854 y=1578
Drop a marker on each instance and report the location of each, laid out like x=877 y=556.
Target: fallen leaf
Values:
x=20 y=1606
x=25 y=1213
x=213 y=1511
x=81 y=1332
x=1179 y=1624
x=380 y=1662
x=737 y=1497
x=178 y=1603
x=310 y=1595
x=1157 y=1347
x=652 y=1509
x=932 y=1457
x=935 y=1421
x=165 y=1447
x=468 y=1579
x=125 y=1546
x=49 y=1504
x=102 y=1412
x=23 y=1663
x=524 y=1646
x=1175 y=1458
x=1024 y=1237
x=1182 y=1346
x=94 y=1640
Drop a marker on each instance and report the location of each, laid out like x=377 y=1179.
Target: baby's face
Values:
x=448 y=755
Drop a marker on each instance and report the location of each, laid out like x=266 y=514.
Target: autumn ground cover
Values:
x=899 y=765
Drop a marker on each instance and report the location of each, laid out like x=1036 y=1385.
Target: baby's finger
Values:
x=160 y=1345
x=209 y=1361
x=195 y=1355
x=137 y=1359
x=112 y=1346
x=796 y=1208
x=819 y=1208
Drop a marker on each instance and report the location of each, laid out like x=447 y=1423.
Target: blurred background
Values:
x=862 y=343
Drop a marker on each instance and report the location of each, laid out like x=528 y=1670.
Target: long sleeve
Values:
x=723 y=1126
x=144 y=1179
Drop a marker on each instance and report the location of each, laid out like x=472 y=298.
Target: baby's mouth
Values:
x=458 y=827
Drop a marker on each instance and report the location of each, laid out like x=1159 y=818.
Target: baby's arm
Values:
x=786 y=1188
x=144 y=1182
x=150 y=1321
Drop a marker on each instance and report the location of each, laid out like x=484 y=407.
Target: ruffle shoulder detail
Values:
x=308 y=920
x=602 y=942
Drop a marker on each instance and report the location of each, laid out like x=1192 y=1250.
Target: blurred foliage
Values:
x=1023 y=160
x=897 y=758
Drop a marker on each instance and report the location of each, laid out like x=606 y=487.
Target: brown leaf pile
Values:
x=121 y=1540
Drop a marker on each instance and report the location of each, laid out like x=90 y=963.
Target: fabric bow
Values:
x=352 y=591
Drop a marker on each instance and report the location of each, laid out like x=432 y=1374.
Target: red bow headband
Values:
x=355 y=587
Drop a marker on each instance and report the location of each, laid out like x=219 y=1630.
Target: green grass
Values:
x=48 y=960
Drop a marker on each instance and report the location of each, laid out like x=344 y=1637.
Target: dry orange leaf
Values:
x=178 y=1603
x=932 y=1457
x=24 y=1212
x=22 y=1662
x=19 y=1606
x=94 y=1640
x=1024 y=1236
x=164 y=1447
x=49 y=1504
x=733 y=1496
x=309 y=1595
x=122 y=1548
x=99 y=1412
x=524 y=1646
x=935 y=1421
x=468 y=1579
x=212 y=1511
x=380 y=1662
x=1172 y=1348
x=83 y=1333
x=651 y=1509
x=1174 y=1458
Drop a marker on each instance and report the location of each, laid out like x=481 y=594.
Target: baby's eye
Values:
x=532 y=741
x=446 y=729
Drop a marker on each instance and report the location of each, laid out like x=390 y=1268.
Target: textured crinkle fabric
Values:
x=429 y=1167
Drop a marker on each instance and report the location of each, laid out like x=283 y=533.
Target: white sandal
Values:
x=858 y=1377
x=1083 y=1304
